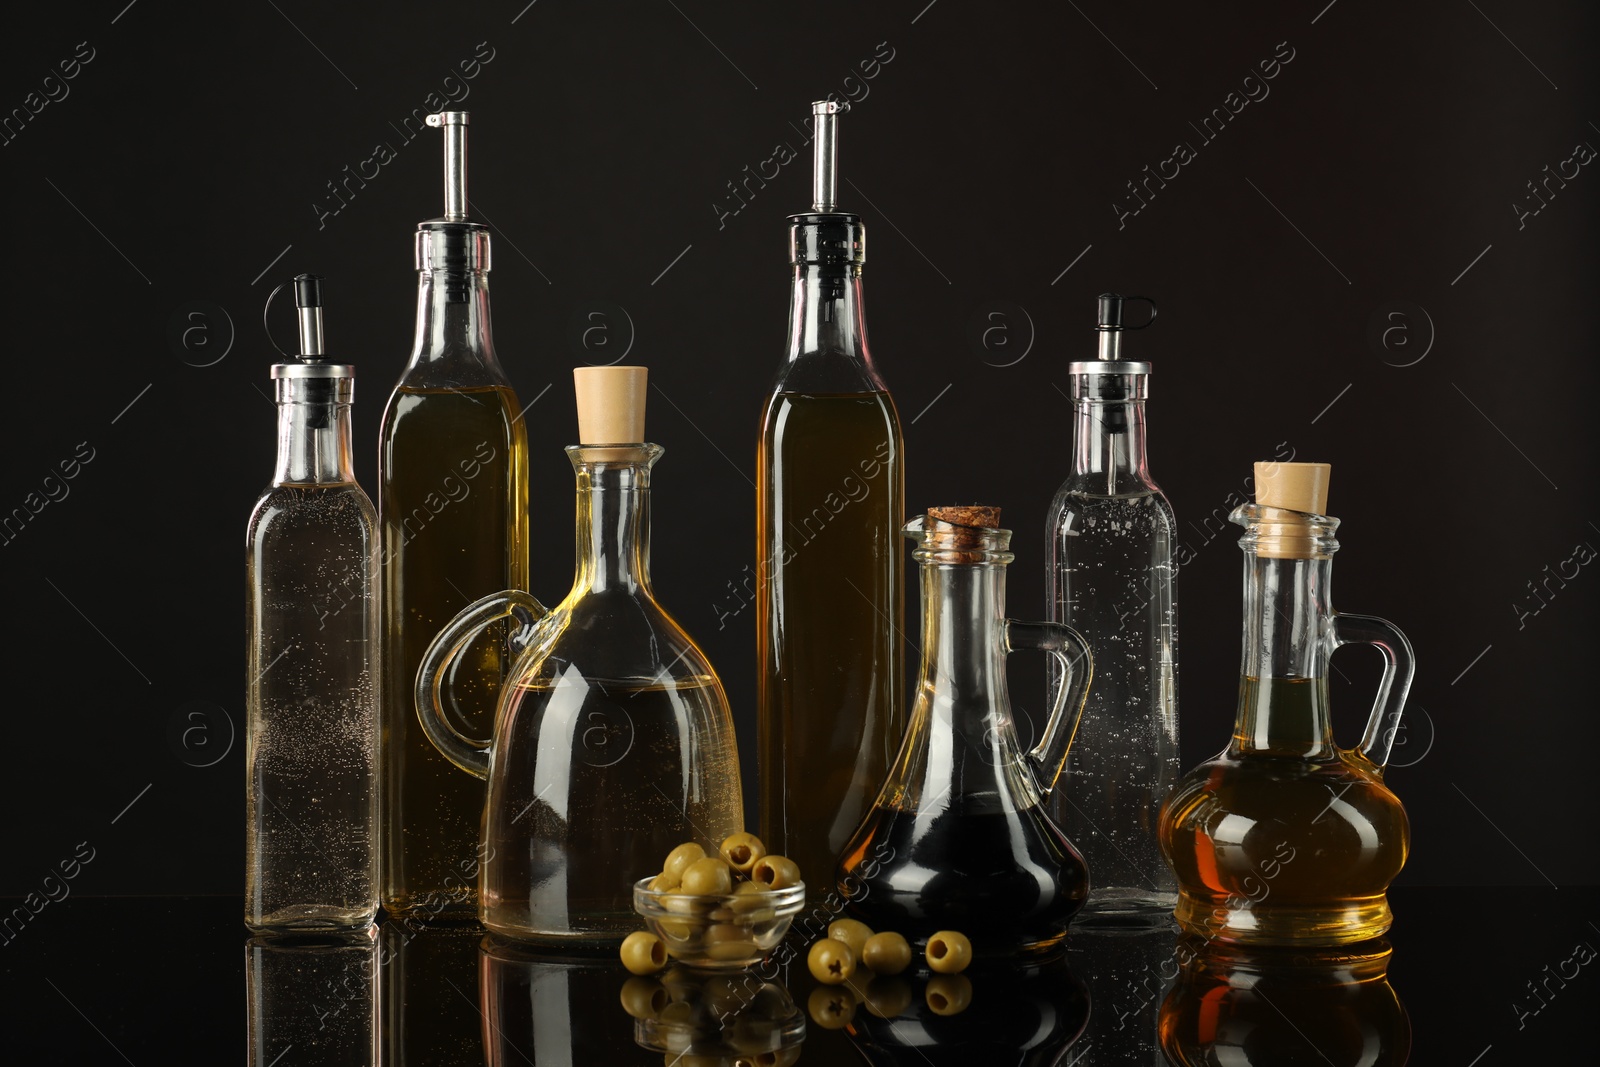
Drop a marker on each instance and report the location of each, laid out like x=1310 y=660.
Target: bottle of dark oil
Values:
x=958 y=838
x=453 y=506
x=830 y=501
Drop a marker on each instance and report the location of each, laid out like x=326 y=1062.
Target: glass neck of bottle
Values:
x=962 y=637
x=826 y=312
x=1283 y=685
x=1109 y=434
x=613 y=517
x=313 y=432
x=453 y=318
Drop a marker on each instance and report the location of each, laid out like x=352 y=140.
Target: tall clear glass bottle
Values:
x=311 y=747
x=829 y=598
x=1284 y=838
x=452 y=467
x=1110 y=575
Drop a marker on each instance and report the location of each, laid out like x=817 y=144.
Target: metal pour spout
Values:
x=825 y=154
x=308 y=307
x=455 y=162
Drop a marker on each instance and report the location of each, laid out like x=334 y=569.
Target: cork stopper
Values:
x=610 y=404
x=1294 y=486
x=963 y=533
x=1288 y=495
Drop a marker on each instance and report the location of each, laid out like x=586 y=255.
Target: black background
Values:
x=986 y=157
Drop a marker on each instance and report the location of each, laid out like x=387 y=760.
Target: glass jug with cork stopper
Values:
x=958 y=838
x=613 y=740
x=1284 y=838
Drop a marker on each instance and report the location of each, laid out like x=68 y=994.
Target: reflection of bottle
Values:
x=313 y=1000
x=312 y=699
x=1285 y=838
x=551 y=1012
x=453 y=493
x=1027 y=1015
x=958 y=838
x=1282 y=1008
x=1110 y=533
x=1128 y=971
x=614 y=742
x=828 y=590
x=430 y=1012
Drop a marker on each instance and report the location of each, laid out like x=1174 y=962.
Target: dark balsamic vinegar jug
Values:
x=958 y=837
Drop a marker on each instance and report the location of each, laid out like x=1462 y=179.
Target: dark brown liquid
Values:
x=1284 y=849
x=1009 y=880
x=830 y=606
x=453 y=506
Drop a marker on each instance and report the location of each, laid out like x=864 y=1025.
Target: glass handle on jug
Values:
x=1378 y=741
x=1068 y=646
x=469 y=754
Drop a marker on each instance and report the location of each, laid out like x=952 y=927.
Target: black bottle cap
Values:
x=831 y=238
x=308 y=290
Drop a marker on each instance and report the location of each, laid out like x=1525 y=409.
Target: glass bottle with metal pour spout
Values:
x=1110 y=575
x=1284 y=838
x=613 y=741
x=453 y=495
x=311 y=743
x=830 y=502
x=958 y=837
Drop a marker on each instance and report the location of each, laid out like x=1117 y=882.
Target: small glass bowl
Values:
x=721 y=933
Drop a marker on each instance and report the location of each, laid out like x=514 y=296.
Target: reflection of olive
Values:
x=886 y=953
x=725 y=995
x=681 y=985
x=643 y=952
x=643 y=998
x=831 y=1009
x=949 y=994
x=831 y=962
x=888 y=997
x=778 y=1057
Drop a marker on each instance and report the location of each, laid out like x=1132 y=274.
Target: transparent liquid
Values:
x=311 y=750
x=593 y=783
x=1285 y=850
x=830 y=604
x=453 y=499
x=1111 y=579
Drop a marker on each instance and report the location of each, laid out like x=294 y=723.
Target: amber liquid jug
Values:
x=1285 y=838
x=613 y=740
x=958 y=837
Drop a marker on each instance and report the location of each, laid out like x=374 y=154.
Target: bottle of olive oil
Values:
x=452 y=467
x=829 y=509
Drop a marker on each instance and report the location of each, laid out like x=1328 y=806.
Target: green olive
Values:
x=707 y=877
x=888 y=997
x=749 y=897
x=742 y=850
x=886 y=953
x=680 y=858
x=831 y=1009
x=643 y=952
x=726 y=941
x=949 y=994
x=662 y=884
x=775 y=872
x=831 y=961
x=852 y=932
x=643 y=998
x=949 y=952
